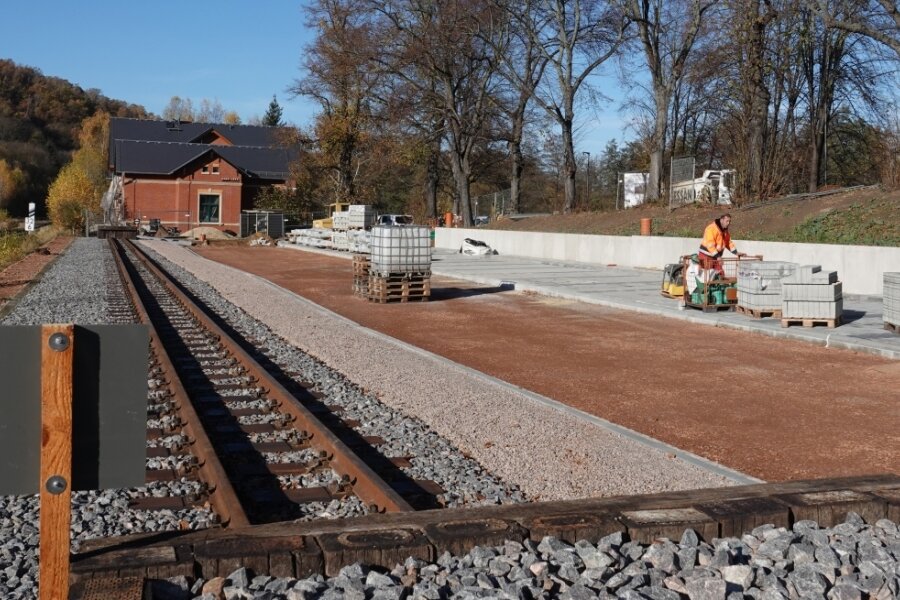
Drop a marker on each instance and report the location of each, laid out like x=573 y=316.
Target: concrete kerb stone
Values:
x=660 y=446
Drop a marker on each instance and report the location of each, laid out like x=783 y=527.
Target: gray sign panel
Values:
x=109 y=412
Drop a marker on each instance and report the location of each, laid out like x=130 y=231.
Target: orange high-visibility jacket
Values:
x=715 y=240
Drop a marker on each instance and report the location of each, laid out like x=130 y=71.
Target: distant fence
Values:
x=681 y=181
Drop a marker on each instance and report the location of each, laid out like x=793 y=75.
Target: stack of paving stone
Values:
x=892 y=301
x=759 y=286
x=812 y=296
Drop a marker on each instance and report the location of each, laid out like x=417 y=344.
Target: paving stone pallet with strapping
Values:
x=299 y=550
x=811 y=294
x=759 y=284
x=892 y=300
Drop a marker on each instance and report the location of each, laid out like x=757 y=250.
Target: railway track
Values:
x=262 y=452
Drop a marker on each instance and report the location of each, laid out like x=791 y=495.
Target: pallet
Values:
x=398 y=289
x=830 y=323
x=711 y=308
x=758 y=313
x=892 y=327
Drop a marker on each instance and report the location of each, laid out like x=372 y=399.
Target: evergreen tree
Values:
x=272 y=118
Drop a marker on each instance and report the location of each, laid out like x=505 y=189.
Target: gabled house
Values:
x=193 y=174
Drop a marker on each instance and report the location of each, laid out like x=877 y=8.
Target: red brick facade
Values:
x=175 y=200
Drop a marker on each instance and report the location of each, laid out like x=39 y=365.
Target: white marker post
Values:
x=29 y=220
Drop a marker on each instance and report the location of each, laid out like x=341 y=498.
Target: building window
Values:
x=215 y=170
x=209 y=208
x=204 y=170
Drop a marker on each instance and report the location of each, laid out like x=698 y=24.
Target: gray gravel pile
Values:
x=432 y=456
x=849 y=561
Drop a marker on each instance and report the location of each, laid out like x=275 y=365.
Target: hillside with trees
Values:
x=40 y=121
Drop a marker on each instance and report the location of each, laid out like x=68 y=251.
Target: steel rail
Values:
x=223 y=497
x=371 y=488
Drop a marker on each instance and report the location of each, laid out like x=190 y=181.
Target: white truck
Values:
x=714 y=187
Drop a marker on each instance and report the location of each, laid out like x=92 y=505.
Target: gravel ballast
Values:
x=852 y=560
x=546 y=453
x=77 y=289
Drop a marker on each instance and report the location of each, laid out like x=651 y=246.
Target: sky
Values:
x=236 y=51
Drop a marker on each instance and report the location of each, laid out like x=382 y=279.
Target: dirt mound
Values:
x=211 y=233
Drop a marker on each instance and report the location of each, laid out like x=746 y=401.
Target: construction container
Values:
x=262 y=221
x=891 y=299
x=400 y=249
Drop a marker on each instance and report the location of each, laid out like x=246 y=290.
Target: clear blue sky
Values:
x=237 y=51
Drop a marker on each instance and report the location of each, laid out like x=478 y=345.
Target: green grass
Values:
x=861 y=223
x=16 y=244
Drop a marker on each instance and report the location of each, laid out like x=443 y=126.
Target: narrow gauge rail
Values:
x=238 y=415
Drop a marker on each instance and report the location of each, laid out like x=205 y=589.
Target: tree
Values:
x=232 y=118
x=667 y=30
x=879 y=20
x=178 y=109
x=445 y=52
x=272 y=118
x=576 y=37
x=12 y=179
x=70 y=194
x=523 y=68
x=210 y=111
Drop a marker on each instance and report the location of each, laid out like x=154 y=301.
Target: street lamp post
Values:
x=587 y=200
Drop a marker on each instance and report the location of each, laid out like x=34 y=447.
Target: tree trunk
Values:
x=569 y=166
x=515 y=180
x=461 y=177
x=654 y=183
x=432 y=178
x=757 y=136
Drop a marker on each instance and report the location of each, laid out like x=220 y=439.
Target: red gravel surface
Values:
x=16 y=277
x=775 y=409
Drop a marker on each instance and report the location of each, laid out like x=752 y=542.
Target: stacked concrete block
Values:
x=759 y=283
x=892 y=299
x=360 y=216
x=811 y=293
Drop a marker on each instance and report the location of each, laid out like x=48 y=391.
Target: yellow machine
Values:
x=673 y=281
x=328 y=223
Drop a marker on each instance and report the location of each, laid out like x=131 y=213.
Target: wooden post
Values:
x=57 y=344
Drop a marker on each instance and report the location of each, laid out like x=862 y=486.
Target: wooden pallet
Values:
x=759 y=313
x=361 y=264
x=398 y=289
x=830 y=323
x=892 y=327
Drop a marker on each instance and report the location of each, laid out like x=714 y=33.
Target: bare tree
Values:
x=879 y=20
x=667 y=31
x=338 y=75
x=575 y=37
x=442 y=50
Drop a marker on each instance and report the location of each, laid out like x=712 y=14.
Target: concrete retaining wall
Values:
x=859 y=267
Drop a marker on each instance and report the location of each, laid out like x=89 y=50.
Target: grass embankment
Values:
x=868 y=217
x=17 y=244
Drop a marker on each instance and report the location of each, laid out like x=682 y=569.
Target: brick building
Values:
x=193 y=174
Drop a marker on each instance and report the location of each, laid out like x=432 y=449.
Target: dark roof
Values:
x=146 y=130
x=165 y=158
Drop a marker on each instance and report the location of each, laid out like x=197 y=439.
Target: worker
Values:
x=716 y=239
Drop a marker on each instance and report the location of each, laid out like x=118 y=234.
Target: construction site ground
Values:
x=776 y=409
